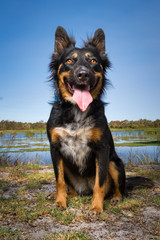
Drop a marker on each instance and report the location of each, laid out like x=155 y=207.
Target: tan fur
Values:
x=61 y=187
x=74 y=55
x=56 y=134
x=64 y=91
x=87 y=54
x=98 y=193
x=96 y=91
x=114 y=175
x=93 y=134
x=96 y=134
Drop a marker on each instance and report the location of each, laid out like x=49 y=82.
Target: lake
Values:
x=131 y=146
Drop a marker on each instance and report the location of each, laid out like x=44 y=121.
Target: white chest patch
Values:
x=75 y=147
x=73 y=141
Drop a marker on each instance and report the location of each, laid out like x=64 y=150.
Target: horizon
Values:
x=141 y=119
x=132 y=44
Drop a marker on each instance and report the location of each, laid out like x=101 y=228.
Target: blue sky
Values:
x=132 y=29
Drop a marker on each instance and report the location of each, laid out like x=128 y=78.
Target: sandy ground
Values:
x=143 y=224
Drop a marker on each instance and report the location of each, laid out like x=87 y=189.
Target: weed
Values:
x=128 y=204
x=156 y=200
x=3 y=186
x=64 y=217
x=18 y=171
x=7 y=233
x=142 y=192
x=33 y=185
x=79 y=201
x=76 y=235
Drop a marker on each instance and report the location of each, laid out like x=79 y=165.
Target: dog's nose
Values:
x=83 y=75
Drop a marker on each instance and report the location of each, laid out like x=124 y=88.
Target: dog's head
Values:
x=79 y=73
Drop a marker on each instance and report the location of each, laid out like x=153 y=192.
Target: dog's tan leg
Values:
x=117 y=196
x=61 y=195
x=98 y=193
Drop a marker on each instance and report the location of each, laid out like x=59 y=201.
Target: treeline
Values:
x=12 y=125
x=142 y=123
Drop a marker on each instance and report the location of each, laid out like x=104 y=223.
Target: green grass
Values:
x=128 y=204
x=29 y=181
x=138 y=144
x=72 y=235
x=155 y=199
x=25 y=146
x=8 y=234
x=136 y=129
x=43 y=130
x=3 y=186
x=22 y=150
x=63 y=217
x=21 y=210
x=79 y=201
x=153 y=174
x=23 y=131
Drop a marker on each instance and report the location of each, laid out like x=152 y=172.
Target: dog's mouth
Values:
x=81 y=94
x=82 y=87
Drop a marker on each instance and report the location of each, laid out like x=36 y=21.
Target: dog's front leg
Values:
x=54 y=135
x=61 y=195
x=99 y=190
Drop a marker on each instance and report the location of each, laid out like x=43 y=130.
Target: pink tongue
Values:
x=82 y=98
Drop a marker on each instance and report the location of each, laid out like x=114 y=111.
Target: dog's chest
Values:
x=74 y=138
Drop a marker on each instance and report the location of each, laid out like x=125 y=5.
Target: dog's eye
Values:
x=69 y=61
x=93 y=61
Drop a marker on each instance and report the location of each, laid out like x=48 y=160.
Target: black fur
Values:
x=66 y=115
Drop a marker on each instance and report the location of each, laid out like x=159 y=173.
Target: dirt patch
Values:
x=26 y=214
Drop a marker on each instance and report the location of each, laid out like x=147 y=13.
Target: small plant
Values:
x=64 y=217
x=3 y=186
x=145 y=160
x=7 y=233
x=18 y=171
x=72 y=235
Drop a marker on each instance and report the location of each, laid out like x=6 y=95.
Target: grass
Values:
x=136 y=129
x=23 y=131
x=3 y=186
x=21 y=209
x=128 y=204
x=63 y=217
x=112 y=129
x=79 y=201
x=7 y=233
x=138 y=143
x=156 y=200
x=26 y=202
x=72 y=235
x=22 y=150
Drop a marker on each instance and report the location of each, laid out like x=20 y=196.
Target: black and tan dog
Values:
x=81 y=144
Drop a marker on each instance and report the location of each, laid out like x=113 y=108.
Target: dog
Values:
x=81 y=144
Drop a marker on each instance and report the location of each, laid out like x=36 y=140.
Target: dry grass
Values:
x=23 y=193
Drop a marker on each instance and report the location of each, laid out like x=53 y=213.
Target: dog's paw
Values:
x=51 y=196
x=61 y=203
x=96 y=207
x=116 y=199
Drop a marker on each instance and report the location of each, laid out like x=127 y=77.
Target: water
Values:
x=129 y=154
x=31 y=146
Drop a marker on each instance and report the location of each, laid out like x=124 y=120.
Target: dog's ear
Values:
x=62 y=40
x=98 y=41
